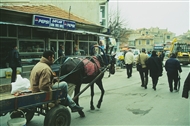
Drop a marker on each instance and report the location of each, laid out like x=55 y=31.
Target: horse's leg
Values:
x=92 y=96
x=77 y=90
x=99 y=83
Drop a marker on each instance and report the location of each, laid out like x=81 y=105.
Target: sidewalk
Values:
x=4 y=80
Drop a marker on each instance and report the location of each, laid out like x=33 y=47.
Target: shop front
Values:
x=38 y=33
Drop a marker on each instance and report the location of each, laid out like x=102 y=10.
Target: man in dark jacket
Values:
x=154 y=64
x=186 y=87
x=14 y=62
x=172 y=66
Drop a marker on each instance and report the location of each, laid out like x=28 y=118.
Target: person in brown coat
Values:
x=142 y=58
x=42 y=78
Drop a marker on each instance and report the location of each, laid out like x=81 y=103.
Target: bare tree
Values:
x=117 y=25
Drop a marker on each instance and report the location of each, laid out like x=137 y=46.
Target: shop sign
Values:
x=53 y=22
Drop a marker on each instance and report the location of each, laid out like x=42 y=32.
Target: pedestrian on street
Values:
x=42 y=79
x=154 y=64
x=61 y=51
x=172 y=67
x=142 y=58
x=129 y=59
x=14 y=62
x=186 y=87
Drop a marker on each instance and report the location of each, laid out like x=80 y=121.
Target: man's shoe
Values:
x=171 y=90
x=154 y=88
x=145 y=87
x=76 y=108
x=142 y=85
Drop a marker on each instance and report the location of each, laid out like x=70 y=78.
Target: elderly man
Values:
x=172 y=66
x=41 y=79
x=129 y=59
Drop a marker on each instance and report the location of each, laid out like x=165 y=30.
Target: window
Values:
x=103 y=15
x=12 y=31
x=24 y=32
x=3 y=30
x=168 y=37
x=31 y=46
x=147 y=42
x=139 y=42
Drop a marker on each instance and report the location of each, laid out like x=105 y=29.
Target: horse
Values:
x=84 y=70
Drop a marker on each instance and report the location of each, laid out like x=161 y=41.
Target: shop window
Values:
x=53 y=35
x=30 y=46
x=24 y=32
x=83 y=48
x=92 y=38
x=12 y=31
x=83 y=37
x=3 y=30
x=39 y=34
x=69 y=36
x=60 y=35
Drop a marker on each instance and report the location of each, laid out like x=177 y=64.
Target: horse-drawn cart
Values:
x=31 y=103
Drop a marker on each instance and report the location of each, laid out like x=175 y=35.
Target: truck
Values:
x=181 y=50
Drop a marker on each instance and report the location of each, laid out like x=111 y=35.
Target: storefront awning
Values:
x=50 y=28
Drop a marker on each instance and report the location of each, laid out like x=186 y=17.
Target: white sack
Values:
x=21 y=84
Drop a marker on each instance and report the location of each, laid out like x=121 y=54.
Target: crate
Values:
x=8 y=74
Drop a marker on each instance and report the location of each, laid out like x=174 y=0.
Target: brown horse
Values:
x=84 y=70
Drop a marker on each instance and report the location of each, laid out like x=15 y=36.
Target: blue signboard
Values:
x=69 y=25
x=41 y=21
x=53 y=22
x=56 y=23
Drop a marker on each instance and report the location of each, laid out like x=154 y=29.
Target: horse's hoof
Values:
x=82 y=116
x=98 y=106
x=81 y=113
x=92 y=108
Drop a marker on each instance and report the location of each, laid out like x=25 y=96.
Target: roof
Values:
x=48 y=10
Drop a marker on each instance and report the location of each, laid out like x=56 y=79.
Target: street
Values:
x=127 y=103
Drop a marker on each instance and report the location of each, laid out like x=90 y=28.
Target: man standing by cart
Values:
x=42 y=78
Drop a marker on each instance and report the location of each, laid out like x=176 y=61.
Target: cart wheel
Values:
x=29 y=114
x=58 y=116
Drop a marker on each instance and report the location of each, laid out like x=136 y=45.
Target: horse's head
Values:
x=111 y=60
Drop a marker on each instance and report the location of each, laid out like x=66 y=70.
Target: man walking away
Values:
x=129 y=59
x=142 y=58
x=154 y=64
x=172 y=66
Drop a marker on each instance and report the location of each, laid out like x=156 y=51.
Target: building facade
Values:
x=36 y=28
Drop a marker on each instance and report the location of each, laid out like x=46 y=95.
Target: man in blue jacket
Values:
x=172 y=66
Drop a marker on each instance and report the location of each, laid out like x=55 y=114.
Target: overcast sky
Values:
x=173 y=15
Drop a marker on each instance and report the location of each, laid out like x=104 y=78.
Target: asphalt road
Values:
x=127 y=103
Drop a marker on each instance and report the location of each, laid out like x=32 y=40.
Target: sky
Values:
x=173 y=15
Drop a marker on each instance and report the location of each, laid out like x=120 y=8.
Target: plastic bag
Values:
x=20 y=85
